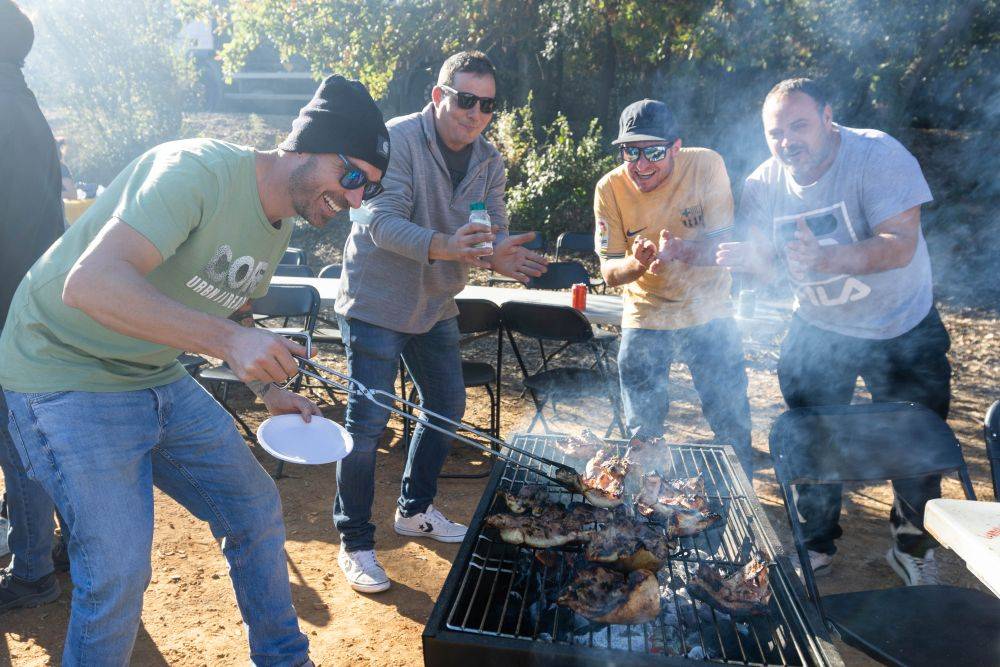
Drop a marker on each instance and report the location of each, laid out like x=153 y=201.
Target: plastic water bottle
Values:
x=478 y=215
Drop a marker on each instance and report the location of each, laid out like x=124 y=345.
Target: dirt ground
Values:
x=190 y=615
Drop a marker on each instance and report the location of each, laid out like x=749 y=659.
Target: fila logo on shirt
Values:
x=228 y=281
x=693 y=216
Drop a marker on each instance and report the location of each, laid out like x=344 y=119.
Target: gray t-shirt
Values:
x=872 y=179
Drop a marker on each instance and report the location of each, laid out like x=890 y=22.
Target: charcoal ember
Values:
x=619 y=637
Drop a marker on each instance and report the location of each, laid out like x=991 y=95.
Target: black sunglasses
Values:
x=354 y=178
x=468 y=100
x=652 y=153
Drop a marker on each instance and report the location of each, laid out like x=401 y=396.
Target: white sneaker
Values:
x=363 y=571
x=912 y=570
x=820 y=562
x=431 y=524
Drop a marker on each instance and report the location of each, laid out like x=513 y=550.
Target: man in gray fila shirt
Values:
x=838 y=210
x=406 y=258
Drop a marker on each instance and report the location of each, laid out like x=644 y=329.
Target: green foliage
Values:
x=111 y=71
x=550 y=182
x=921 y=62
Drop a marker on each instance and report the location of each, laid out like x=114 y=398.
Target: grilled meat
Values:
x=552 y=526
x=604 y=480
x=682 y=504
x=605 y=596
x=687 y=493
x=583 y=446
x=628 y=545
x=540 y=532
x=745 y=592
x=531 y=498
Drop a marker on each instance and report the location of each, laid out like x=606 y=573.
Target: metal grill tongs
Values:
x=562 y=474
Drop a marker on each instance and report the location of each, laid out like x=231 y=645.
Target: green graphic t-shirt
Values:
x=196 y=200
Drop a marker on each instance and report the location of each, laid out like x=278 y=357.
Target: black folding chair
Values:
x=576 y=242
x=482 y=317
x=327 y=329
x=285 y=302
x=294 y=271
x=561 y=275
x=295 y=256
x=581 y=244
x=330 y=271
x=191 y=362
x=568 y=326
x=991 y=433
x=537 y=244
x=915 y=625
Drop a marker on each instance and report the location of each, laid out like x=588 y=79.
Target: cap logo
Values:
x=382 y=147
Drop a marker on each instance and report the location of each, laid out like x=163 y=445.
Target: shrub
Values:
x=550 y=182
x=111 y=76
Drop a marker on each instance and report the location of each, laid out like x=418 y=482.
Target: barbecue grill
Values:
x=497 y=606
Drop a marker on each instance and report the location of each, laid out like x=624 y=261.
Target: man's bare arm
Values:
x=108 y=283
x=891 y=247
x=628 y=269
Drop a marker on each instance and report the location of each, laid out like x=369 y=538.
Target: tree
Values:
x=112 y=74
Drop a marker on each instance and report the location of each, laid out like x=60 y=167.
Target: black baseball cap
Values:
x=646 y=120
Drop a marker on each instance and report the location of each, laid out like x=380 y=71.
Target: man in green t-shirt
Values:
x=100 y=409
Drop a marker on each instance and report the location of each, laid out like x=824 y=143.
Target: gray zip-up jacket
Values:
x=387 y=279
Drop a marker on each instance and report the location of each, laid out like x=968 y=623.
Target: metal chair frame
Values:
x=991 y=434
x=294 y=271
x=577 y=330
x=295 y=256
x=814 y=445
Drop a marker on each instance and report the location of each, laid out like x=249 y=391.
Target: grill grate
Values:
x=506 y=592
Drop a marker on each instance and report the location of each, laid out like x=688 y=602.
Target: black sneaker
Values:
x=60 y=557
x=16 y=593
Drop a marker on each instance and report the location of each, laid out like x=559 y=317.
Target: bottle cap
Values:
x=477 y=206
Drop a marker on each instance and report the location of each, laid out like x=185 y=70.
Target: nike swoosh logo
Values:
x=630 y=233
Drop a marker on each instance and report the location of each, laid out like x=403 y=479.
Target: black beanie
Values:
x=341 y=118
x=16 y=34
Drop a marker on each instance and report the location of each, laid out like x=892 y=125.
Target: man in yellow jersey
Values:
x=660 y=216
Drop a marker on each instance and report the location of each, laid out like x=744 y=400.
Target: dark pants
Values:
x=714 y=353
x=821 y=368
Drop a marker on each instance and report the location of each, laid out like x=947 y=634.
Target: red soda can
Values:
x=580 y=296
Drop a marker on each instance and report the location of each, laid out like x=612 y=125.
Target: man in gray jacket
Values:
x=406 y=258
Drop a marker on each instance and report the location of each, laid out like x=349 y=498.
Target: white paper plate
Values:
x=288 y=438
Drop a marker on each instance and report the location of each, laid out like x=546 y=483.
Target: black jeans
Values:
x=819 y=367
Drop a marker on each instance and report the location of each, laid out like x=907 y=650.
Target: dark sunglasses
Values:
x=468 y=100
x=652 y=153
x=354 y=178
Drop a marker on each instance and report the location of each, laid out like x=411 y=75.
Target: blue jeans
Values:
x=98 y=456
x=714 y=353
x=435 y=364
x=29 y=510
